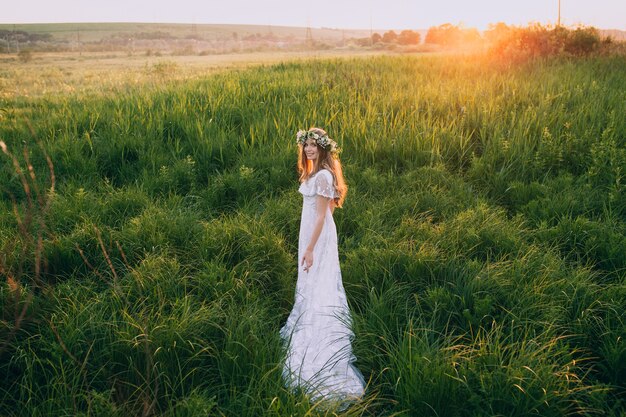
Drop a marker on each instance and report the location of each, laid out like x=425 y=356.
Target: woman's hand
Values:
x=307 y=260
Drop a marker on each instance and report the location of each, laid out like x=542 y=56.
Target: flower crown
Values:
x=321 y=140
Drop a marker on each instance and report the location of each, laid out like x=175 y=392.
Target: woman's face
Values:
x=310 y=149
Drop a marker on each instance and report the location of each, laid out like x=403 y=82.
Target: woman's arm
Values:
x=322 y=204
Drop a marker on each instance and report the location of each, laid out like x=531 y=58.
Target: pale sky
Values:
x=347 y=14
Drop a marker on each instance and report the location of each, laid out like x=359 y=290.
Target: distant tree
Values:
x=447 y=35
x=153 y=35
x=582 y=41
x=497 y=32
x=451 y=36
x=376 y=38
x=537 y=40
x=470 y=36
x=432 y=36
x=363 y=41
x=408 y=37
x=390 y=37
x=40 y=37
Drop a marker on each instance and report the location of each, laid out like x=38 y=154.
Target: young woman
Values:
x=318 y=331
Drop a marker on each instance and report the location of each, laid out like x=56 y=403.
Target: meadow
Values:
x=148 y=237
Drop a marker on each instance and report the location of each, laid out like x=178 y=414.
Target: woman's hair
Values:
x=325 y=159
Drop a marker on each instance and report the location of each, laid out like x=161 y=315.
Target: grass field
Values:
x=49 y=74
x=482 y=243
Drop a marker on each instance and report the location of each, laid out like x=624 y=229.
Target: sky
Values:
x=344 y=14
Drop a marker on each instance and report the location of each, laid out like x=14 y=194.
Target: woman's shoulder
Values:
x=325 y=172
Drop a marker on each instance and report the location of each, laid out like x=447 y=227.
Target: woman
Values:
x=317 y=333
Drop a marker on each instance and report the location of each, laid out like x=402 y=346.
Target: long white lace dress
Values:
x=318 y=331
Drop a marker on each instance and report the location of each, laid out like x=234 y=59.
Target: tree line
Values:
x=535 y=39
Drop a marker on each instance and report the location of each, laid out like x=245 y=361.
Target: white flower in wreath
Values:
x=322 y=140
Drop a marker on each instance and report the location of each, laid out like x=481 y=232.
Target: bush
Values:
x=25 y=56
x=541 y=41
x=582 y=41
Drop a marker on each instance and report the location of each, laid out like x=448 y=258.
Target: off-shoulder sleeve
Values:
x=324 y=184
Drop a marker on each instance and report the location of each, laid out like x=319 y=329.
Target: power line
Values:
x=309 y=33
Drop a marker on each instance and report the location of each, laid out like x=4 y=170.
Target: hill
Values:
x=173 y=39
x=618 y=35
x=93 y=32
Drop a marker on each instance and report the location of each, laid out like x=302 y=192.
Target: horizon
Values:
x=374 y=29
x=346 y=14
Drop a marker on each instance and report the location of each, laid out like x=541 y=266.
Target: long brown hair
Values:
x=327 y=160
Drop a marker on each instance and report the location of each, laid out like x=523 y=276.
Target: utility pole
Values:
x=80 y=48
x=559 y=19
x=371 y=30
x=309 y=33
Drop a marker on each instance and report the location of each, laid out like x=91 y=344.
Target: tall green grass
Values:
x=482 y=243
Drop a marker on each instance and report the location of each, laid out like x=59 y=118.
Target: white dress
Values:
x=318 y=332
